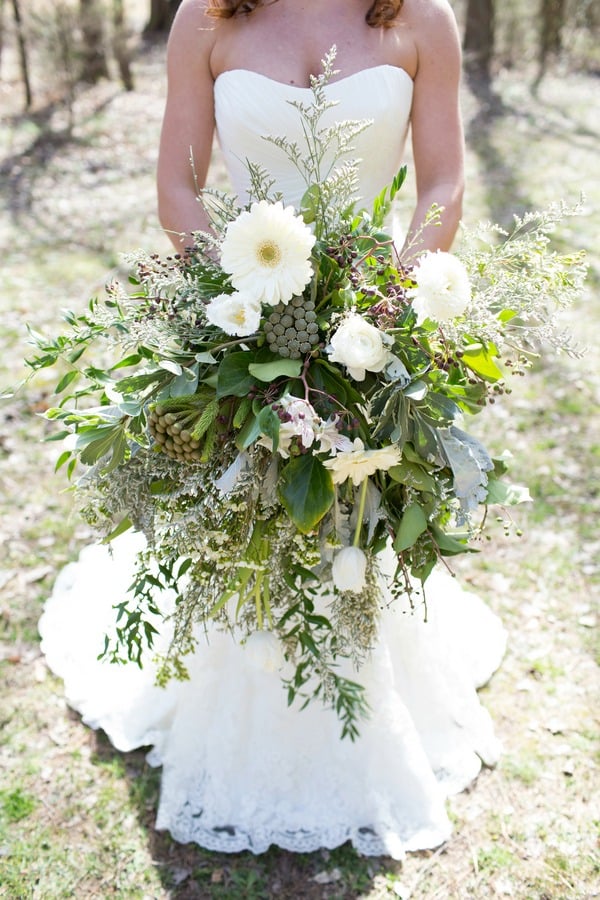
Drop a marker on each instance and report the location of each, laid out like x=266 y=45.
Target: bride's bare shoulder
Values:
x=435 y=17
x=433 y=26
x=194 y=31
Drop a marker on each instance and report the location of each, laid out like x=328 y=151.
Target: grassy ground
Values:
x=76 y=818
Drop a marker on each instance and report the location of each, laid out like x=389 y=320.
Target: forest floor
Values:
x=76 y=817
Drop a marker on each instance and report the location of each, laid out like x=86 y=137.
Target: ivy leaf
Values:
x=306 y=491
x=234 y=378
x=268 y=421
x=277 y=368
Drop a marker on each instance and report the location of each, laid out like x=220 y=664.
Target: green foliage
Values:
x=240 y=464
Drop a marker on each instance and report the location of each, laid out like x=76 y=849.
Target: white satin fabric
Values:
x=241 y=769
x=249 y=106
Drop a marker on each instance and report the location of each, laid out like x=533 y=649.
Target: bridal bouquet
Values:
x=281 y=412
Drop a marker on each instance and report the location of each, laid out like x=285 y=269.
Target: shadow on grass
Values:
x=505 y=192
x=189 y=872
x=534 y=121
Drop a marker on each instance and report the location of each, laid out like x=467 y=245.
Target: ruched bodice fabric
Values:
x=249 y=106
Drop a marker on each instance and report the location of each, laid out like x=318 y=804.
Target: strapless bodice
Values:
x=249 y=106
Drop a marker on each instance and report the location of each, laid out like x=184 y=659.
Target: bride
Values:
x=241 y=769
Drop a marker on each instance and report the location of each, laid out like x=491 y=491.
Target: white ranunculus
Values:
x=266 y=250
x=235 y=313
x=358 y=463
x=349 y=569
x=443 y=287
x=263 y=651
x=359 y=346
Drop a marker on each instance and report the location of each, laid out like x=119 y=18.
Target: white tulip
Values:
x=349 y=569
x=264 y=651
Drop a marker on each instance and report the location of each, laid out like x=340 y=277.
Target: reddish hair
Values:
x=381 y=14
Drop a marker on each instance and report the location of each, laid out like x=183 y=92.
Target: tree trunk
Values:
x=23 y=58
x=94 y=66
x=1 y=34
x=552 y=14
x=162 y=13
x=120 y=47
x=478 y=42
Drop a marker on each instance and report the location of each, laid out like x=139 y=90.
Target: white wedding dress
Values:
x=241 y=769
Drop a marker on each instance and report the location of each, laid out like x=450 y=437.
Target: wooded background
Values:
x=58 y=47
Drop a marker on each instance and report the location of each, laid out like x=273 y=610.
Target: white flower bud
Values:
x=264 y=652
x=349 y=569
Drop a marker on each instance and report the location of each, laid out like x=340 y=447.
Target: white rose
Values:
x=443 y=288
x=235 y=313
x=349 y=569
x=264 y=652
x=359 y=346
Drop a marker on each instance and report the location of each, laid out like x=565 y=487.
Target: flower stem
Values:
x=258 y=601
x=361 y=511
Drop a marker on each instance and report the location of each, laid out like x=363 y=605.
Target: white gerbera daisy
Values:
x=358 y=463
x=235 y=313
x=443 y=288
x=267 y=252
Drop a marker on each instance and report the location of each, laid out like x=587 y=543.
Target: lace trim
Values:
x=365 y=839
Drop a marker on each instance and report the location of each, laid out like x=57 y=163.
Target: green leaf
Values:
x=309 y=205
x=233 y=378
x=506 y=494
x=506 y=315
x=278 y=368
x=123 y=526
x=412 y=526
x=306 y=491
x=451 y=545
x=479 y=358
x=185 y=383
x=132 y=360
x=62 y=459
x=269 y=422
x=414 y=475
x=162 y=486
x=170 y=366
x=416 y=391
x=65 y=381
x=133 y=383
x=98 y=441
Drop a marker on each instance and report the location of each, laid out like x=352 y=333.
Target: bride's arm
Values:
x=188 y=124
x=437 y=134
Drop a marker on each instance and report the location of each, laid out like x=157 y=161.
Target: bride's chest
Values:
x=288 y=46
